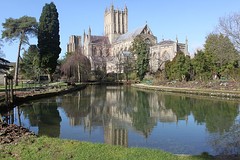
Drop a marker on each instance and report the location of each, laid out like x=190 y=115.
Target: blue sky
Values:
x=193 y=19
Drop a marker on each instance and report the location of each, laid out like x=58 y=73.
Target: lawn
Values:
x=54 y=148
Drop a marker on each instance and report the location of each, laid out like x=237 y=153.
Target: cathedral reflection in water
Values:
x=121 y=115
x=115 y=109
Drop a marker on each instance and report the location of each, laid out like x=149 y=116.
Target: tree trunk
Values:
x=49 y=77
x=17 y=63
x=79 y=73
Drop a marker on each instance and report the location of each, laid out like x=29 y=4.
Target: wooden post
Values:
x=9 y=90
x=12 y=93
x=6 y=89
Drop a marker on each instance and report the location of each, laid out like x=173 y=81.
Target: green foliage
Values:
x=219 y=58
x=179 y=68
x=30 y=63
x=49 y=38
x=19 y=28
x=141 y=49
x=221 y=53
x=202 y=65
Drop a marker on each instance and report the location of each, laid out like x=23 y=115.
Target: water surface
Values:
x=131 y=117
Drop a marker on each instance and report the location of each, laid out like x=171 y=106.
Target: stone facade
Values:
x=105 y=52
x=164 y=51
x=115 y=23
x=74 y=43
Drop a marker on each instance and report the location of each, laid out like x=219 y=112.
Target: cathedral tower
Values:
x=115 y=23
x=74 y=44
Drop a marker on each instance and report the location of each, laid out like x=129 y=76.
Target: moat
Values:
x=130 y=117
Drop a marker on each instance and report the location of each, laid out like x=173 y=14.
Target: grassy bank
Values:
x=54 y=148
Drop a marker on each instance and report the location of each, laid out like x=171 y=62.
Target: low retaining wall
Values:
x=202 y=92
x=23 y=99
x=20 y=100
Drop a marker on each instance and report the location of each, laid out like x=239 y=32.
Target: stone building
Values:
x=74 y=43
x=164 y=51
x=105 y=52
x=115 y=23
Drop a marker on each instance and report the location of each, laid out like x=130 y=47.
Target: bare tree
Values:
x=230 y=26
x=76 y=66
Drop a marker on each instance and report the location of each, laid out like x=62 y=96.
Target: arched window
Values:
x=94 y=51
x=147 y=40
x=153 y=55
x=165 y=56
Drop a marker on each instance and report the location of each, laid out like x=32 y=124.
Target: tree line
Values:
x=41 y=58
x=219 y=57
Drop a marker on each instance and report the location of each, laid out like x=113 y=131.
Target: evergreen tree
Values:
x=179 y=68
x=221 y=52
x=49 y=39
x=202 y=66
x=19 y=29
x=30 y=63
x=141 y=50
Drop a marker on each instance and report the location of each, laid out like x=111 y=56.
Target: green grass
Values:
x=53 y=148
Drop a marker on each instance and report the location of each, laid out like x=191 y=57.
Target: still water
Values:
x=130 y=117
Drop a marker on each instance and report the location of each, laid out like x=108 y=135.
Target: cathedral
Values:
x=105 y=52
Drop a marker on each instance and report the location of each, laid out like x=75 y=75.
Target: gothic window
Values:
x=94 y=51
x=154 y=56
x=107 y=52
x=166 y=56
x=147 y=40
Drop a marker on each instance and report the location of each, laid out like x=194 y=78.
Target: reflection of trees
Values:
x=219 y=116
x=118 y=108
x=181 y=106
x=76 y=106
x=45 y=116
x=142 y=119
x=222 y=118
x=227 y=143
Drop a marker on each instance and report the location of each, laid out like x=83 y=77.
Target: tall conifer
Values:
x=49 y=39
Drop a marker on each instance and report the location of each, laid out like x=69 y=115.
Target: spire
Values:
x=125 y=8
x=89 y=31
x=177 y=39
x=186 y=41
x=84 y=36
x=112 y=7
x=89 y=34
